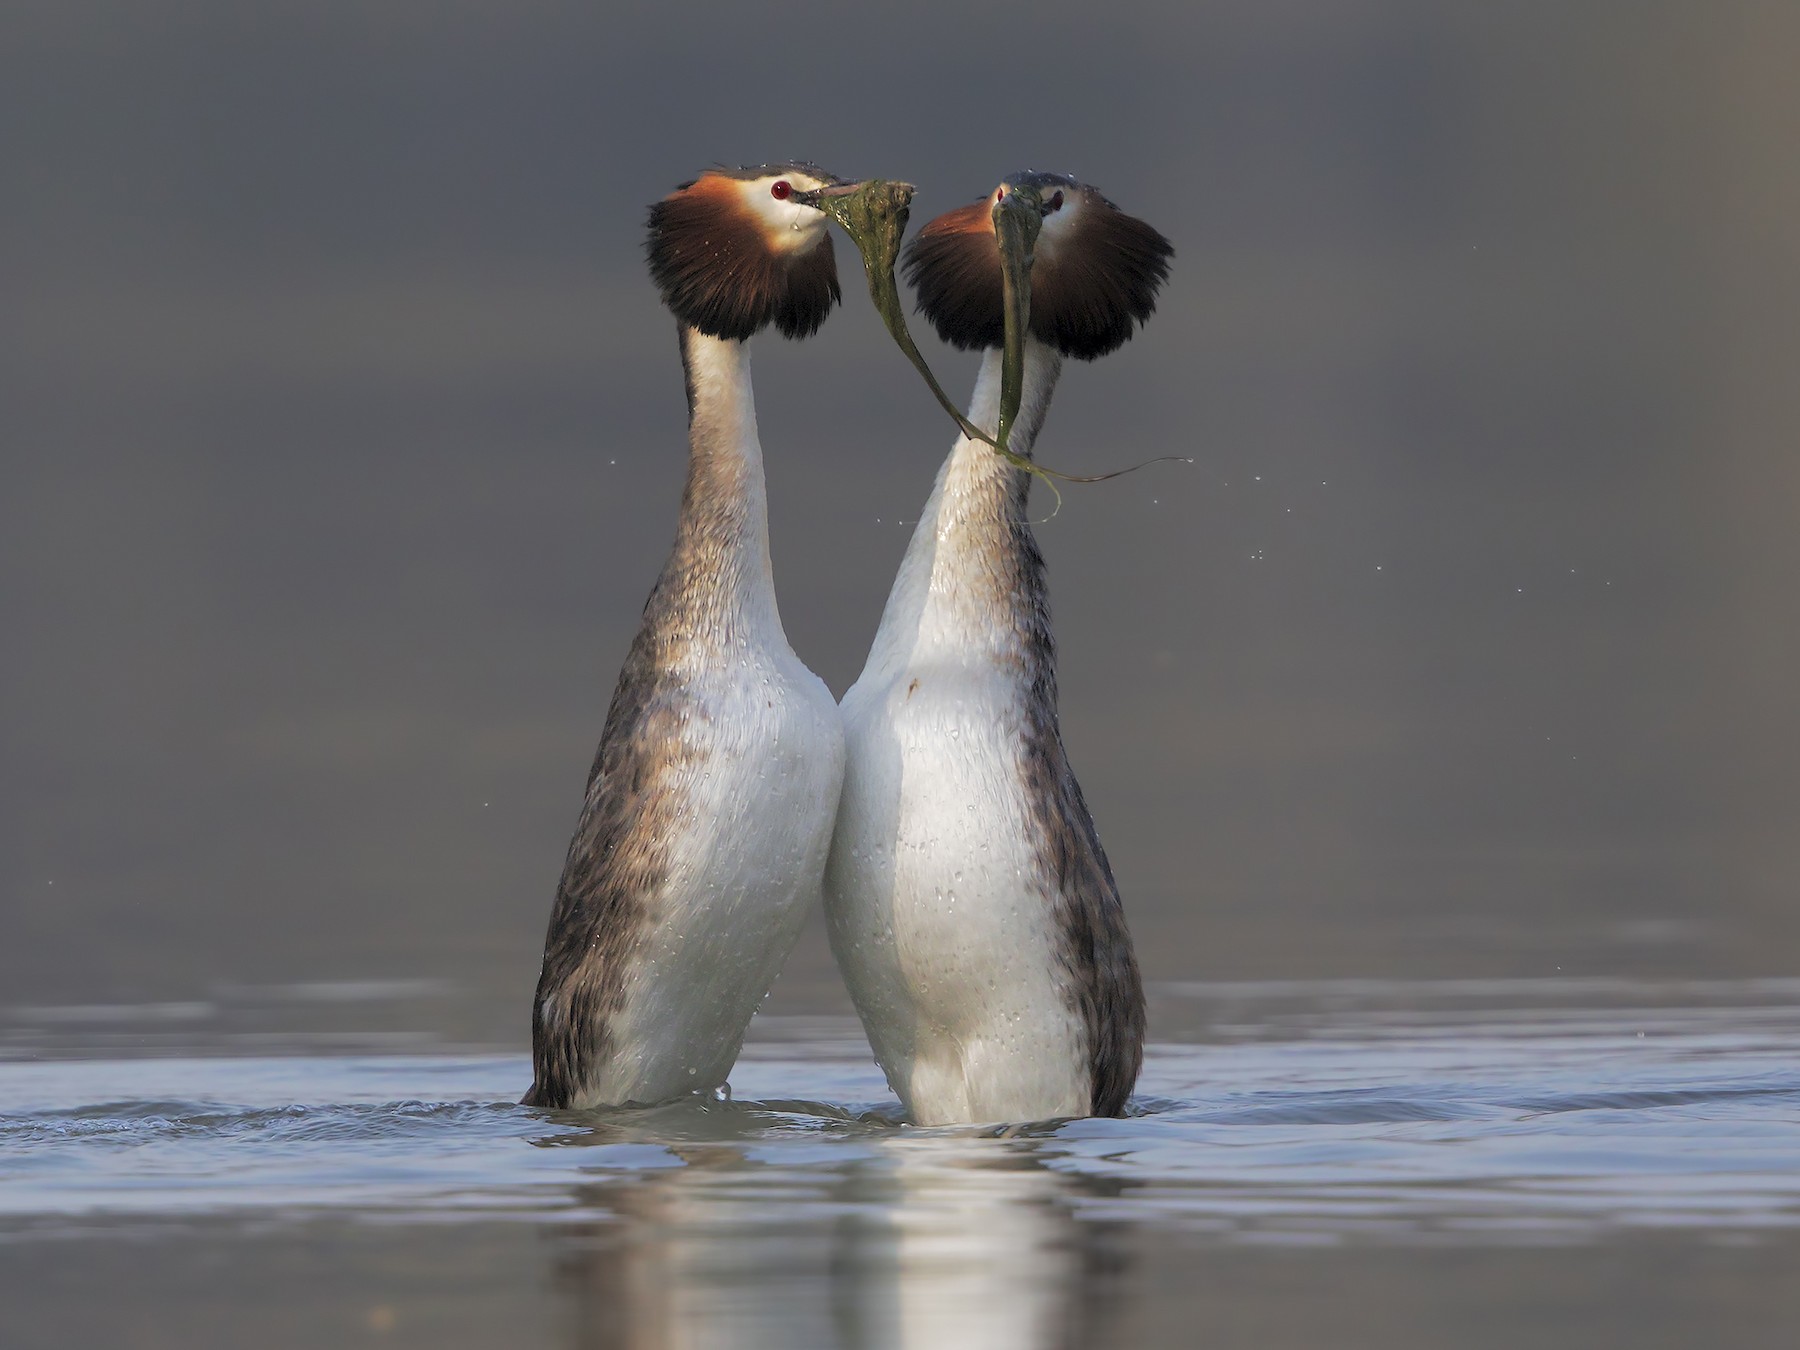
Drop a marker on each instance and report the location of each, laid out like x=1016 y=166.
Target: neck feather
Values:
x=972 y=580
x=718 y=584
x=982 y=487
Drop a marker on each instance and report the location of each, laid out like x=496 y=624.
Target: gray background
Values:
x=341 y=437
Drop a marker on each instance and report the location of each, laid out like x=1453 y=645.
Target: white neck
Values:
x=720 y=565
x=962 y=589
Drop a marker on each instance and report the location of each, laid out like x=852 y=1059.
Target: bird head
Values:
x=1094 y=278
x=735 y=250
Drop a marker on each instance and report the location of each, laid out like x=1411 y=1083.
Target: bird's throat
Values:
x=720 y=565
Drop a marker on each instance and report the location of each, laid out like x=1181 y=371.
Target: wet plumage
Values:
x=971 y=906
x=708 y=808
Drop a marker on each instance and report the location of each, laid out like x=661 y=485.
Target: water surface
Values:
x=1447 y=1147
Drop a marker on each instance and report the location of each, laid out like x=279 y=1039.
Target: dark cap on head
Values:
x=1095 y=277
x=731 y=253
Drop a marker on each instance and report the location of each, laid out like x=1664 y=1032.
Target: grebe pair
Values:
x=970 y=905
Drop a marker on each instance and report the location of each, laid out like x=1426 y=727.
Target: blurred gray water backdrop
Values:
x=341 y=437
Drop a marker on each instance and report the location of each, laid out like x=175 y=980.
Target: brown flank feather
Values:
x=712 y=262
x=1089 y=290
x=1097 y=969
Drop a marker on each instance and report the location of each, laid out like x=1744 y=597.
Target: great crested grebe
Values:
x=710 y=802
x=971 y=907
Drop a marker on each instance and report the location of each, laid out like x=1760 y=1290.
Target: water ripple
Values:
x=1312 y=1124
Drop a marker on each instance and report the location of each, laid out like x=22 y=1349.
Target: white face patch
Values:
x=789 y=225
x=1062 y=204
x=1059 y=223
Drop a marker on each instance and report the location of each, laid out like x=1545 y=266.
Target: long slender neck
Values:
x=971 y=583
x=718 y=585
x=976 y=488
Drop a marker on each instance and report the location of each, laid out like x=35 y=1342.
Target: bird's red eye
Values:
x=781 y=190
x=1055 y=201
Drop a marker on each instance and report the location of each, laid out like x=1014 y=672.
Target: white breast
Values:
x=937 y=915
x=758 y=793
x=934 y=889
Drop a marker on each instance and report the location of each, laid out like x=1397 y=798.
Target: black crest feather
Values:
x=716 y=269
x=1088 y=292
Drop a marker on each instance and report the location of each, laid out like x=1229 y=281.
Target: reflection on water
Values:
x=920 y=1241
x=972 y=1243
x=689 y=1255
x=1343 y=1118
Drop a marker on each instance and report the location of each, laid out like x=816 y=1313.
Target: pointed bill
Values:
x=1018 y=216
x=874 y=215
